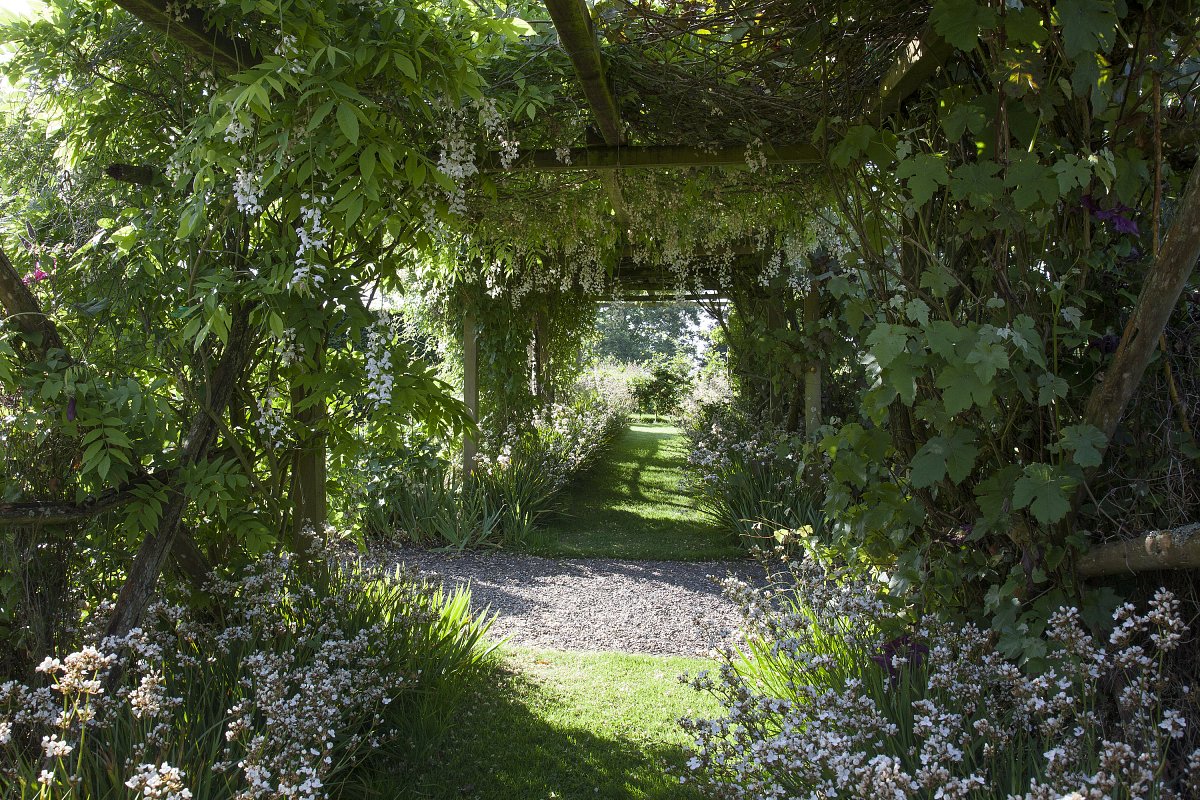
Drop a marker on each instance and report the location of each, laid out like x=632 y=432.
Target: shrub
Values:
x=663 y=386
x=296 y=683
x=827 y=698
x=537 y=461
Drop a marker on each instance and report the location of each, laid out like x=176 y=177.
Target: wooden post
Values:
x=470 y=387
x=812 y=375
x=541 y=357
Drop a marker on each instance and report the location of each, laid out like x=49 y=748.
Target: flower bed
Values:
x=296 y=684
x=829 y=698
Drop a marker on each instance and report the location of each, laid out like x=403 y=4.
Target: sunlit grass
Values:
x=571 y=725
x=629 y=505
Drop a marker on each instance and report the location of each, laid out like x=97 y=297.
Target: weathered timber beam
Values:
x=226 y=53
x=578 y=37
x=142 y=576
x=50 y=513
x=1159 y=295
x=650 y=157
x=575 y=33
x=132 y=173
x=1178 y=548
x=916 y=64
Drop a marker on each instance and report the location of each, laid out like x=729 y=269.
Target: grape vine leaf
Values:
x=960 y=21
x=942 y=456
x=1086 y=442
x=1043 y=489
x=1087 y=25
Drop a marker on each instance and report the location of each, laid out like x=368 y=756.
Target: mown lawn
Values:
x=629 y=505
x=570 y=726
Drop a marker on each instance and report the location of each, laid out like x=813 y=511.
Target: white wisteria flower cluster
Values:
x=828 y=697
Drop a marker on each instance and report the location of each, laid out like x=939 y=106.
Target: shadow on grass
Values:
x=616 y=533
x=502 y=749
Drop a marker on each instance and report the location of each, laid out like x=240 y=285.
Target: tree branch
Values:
x=1160 y=293
x=1177 y=548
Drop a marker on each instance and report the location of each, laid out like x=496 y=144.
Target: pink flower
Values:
x=38 y=275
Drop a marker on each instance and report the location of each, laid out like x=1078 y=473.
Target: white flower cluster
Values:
x=163 y=782
x=496 y=128
x=756 y=156
x=290 y=349
x=288 y=49
x=270 y=421
x=827 y=706
x=457 y=161
x=236 y=132
x=379 y=361
x=563 y=154
x=306 y=276
x=247 y=191
x=309 y=695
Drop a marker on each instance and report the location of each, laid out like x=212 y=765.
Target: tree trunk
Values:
x=309 y=501
x=143 y=575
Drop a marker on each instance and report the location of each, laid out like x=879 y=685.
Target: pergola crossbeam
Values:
x=578 y=37
x=188 y=28
x=646 y=157
x=917 y=63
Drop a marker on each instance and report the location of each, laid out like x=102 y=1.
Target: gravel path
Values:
x=655 y=607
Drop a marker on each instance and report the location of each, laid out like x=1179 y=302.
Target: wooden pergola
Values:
x=612 y=156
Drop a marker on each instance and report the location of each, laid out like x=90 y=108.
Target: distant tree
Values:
x=634 y=332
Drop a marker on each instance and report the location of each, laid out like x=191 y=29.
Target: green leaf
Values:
x=924 y=172
x=405 y=65
x=994 y=491
x=1044 y=490
x=917 y=310
x=943 y=456
x=853 y=146
x=1087 y=25
x=1072 y=172
x=988 y=358
x=347 y=119
x=938 y=280
x=1087 y=442
x=1050 y=388
x=960 y=21
x=366 y=164
x=962 y=389
x=886 y=342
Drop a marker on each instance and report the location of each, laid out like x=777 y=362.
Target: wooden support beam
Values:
x=470 y=387
x=187 y=27
x=649 y=157
x=577 y=36
x=812 y=372
x=573 y=22
x=915 y=66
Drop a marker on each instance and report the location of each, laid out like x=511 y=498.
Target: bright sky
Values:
x=10 y=8
x=18 y=8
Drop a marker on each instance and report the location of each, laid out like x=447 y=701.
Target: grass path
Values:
x=552 y=725
x=629 y=505
x=571 y=726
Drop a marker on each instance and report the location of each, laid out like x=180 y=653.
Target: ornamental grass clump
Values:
x=749 y=479
x=533 y=463
x=826 y=699
x=296 y=683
